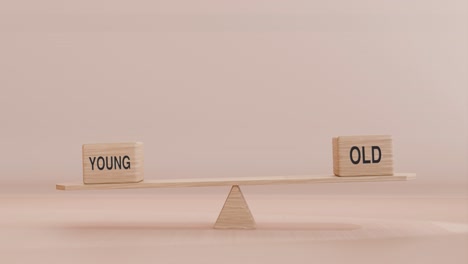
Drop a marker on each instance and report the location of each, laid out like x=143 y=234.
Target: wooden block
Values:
x=235 y=213
x=113 y=163
x=363 y=155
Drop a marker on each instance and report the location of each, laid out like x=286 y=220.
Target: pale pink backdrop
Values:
x=244 y=88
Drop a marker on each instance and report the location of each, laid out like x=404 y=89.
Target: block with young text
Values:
x=363 y=155
x=113 y=162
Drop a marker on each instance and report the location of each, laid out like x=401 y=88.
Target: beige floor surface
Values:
x=120 y=227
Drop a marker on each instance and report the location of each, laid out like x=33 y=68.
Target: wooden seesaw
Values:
x=104 y=169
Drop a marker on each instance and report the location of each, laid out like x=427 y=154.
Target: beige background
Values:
x=230 y=88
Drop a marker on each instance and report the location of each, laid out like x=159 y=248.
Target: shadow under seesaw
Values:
x=278 y=226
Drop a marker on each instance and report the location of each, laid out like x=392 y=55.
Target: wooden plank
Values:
x=206 y=182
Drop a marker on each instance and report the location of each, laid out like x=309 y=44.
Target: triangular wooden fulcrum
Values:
x=235 y=213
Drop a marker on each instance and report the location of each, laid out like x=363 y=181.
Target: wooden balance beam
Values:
x=235 y=213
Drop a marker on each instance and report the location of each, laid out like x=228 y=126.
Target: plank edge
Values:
x=228 y=181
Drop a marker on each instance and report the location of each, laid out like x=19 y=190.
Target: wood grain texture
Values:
x=206 y=182
x=235 y=213
x=113 y=163
x=363 y=155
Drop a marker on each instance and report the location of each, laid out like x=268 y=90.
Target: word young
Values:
x=110 y=163
x=356 y=160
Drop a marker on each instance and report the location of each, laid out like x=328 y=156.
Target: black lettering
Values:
x=364 y=156
x=118 y=162
x=126 y=165
x=92 y=162
x=351 y=155
x=102 y=161
x=374 y=160
x=111 y=163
